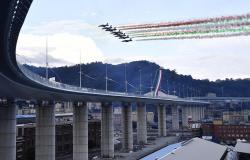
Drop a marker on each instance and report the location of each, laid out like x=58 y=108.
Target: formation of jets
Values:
x=117 y=33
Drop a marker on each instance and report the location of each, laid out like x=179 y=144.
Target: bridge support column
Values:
x=162 y=130
x=203 y=112
x=189 y=113
x=199 y=109
x=80 y=131
x=107 y=131
x=196 y=112
x=184 y=116
x=7 y=129
x=175 y=117
x=141 y=123
x=193 y=113
x=45 y=131
x=127 y=129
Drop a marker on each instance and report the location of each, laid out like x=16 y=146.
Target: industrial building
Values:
x=226 y=133
x=25 y=140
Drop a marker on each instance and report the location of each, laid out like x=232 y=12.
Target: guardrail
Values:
x=61 y=86
x=43 y=81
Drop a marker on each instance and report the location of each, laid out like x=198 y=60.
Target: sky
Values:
x=71 y=30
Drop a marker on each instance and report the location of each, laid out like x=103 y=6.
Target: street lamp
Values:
x=106 y=78
x=140 y=82
x=125 y=76
x=80 y=70
x=46 y=60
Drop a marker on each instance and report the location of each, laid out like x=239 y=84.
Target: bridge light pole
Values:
x=125 y=76
x=179 y=89
x=191 y=92
x=106 y=78
x=167 y=86
x=222 y=91
x=183 y=90
x=46 y=60
x=140 y=82
x=174 y=91
x=151 y=87
x=80 y=78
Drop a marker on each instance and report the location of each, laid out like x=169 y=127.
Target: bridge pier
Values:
x=45 y=131
x=200 y=110
x=162 y=130
x=127 y=129
x=107 y=131
x=197 y=112
x=184 y=116
x=141 y=123
x=80 y=131
x=203 y=112
x=7 y=129
x=188 y=113
x=175 y=117
x=193 y=112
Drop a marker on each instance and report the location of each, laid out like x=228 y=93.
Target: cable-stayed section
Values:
x=225 y=26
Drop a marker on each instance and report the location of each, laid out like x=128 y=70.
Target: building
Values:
x=196 y=130
x=193 y=149
x=149 y=116
x=226 y=133
x=25 y=140
x=236 y=117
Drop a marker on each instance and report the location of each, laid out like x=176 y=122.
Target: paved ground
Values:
x=149 y=148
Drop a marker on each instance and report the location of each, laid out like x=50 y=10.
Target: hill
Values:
x=94 y=77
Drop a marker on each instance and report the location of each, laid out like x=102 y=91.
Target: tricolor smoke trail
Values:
x=158 y=84
x=193 y=29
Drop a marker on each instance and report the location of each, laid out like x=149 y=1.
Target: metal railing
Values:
x=57 y=85
x=61 y=86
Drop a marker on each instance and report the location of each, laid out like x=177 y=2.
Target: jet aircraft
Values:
x=127 y=40
x=104 y=25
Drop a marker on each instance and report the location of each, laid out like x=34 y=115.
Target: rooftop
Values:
x=243 y=147
x=162 y=152
x=197 y=149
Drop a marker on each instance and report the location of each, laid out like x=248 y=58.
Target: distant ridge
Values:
x=94 y=77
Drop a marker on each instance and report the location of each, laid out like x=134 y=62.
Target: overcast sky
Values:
x=71 y=28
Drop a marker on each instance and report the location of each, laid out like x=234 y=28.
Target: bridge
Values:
x=224 y=99
x=17 y=82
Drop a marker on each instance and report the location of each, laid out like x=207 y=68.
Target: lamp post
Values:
x=80 y=78
x=106 y=78
x=125 y=76
x=167 y=86
x=46 y=60
x=140 y=82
